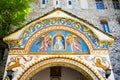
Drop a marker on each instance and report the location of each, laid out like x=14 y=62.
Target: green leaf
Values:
x=12 y=13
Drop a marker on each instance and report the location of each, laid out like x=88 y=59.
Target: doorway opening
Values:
x=58 y=73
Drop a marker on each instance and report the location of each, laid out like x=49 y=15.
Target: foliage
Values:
x=12 y=13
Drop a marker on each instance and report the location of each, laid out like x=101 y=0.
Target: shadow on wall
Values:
x=3 y=57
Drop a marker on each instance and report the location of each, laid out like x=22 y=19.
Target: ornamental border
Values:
x=40 y=24
x=56 y=28
x=29 y=42
x=59 y=59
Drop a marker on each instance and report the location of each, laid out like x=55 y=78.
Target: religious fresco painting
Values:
x=59 y=41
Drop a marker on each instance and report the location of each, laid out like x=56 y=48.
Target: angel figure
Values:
x=45 y=42
x=72 y=41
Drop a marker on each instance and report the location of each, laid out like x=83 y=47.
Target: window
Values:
x=99 y=4
x=56 y=3
x=116 y=4
x=104 y=26
x=119 y=21
x=43 y=1
x=69 y=4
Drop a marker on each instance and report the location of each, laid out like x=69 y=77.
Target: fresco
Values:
x=59 y=41
x=57 y=21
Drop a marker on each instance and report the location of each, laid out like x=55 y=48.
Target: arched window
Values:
x=104 y=26
x=99 y=4
x=116 y=4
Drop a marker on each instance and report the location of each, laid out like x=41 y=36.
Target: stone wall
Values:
x=93 y=16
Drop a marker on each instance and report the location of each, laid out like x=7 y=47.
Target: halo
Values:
x=58 y=38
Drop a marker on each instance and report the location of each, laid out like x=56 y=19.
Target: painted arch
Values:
x=85 y=36
x=73 y=63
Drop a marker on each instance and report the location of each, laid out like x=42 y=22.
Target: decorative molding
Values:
x=31 y=29
x=60 y=60
x=65 y=28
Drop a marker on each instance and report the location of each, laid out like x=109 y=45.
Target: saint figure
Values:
x=58 y=44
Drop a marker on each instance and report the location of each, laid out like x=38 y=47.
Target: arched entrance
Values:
x=64 y=61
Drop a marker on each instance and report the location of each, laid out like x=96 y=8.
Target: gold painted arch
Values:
x=57 y=28
x=51 y=61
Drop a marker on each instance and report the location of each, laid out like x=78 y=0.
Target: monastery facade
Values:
x=66 y=40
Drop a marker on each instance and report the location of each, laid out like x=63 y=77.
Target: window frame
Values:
x=56 y=3
x=99 y=4
x=69 y=4
x=105 y=26
x=43 y=2
x=116 y=4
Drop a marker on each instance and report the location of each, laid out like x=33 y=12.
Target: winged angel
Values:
x=73 y=42
x=45 y=40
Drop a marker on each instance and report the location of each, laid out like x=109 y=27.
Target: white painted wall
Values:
x=84 y=4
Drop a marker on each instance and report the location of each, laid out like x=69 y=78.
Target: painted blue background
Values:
x=34 y=47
